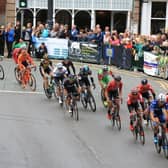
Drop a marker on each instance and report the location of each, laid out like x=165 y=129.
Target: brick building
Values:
x=7 y=11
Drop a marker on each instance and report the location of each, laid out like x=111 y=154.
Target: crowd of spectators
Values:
x=9 y=34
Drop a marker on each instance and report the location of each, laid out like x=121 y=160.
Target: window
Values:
x=158 y=17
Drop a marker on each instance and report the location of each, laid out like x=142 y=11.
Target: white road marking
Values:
x=20 y=92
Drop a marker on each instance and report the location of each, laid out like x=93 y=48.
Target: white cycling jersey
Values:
x=60 y=72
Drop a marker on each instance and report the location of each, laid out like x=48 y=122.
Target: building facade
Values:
x=84 y=13
x=154 y=18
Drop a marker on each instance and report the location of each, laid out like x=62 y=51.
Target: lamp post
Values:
x=50 y=14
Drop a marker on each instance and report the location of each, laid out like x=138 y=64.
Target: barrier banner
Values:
x=87 y=52
x=57 y=48
x=150 y=64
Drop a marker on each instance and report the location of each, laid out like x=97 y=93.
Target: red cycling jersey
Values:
x=134 y=98
x=145 y=88
x=113 y=85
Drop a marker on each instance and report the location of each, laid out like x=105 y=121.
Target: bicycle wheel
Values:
x=118 y=121
x=75 y=112
x=2 y=74
x=158 y=144
x=48 y=95
x=103 y=98
x=92 y=102
x=17 y=75
x=165 y=146
x=32 y=82
x=141 y=135
x=83 y=100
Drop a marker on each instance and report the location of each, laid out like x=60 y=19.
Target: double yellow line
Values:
x=163 y=84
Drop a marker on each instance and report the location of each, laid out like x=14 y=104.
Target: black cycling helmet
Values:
x=144 y=81
x=117 y=78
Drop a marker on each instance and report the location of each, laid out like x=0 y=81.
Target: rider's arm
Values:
x=153 y=118
x=73 y=67
x=152 y=91
x=141 y=100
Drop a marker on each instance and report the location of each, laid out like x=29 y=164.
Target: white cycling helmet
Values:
x=162 y=97
x=59 y=65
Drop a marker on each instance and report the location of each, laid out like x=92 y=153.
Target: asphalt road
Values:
x=38 y=133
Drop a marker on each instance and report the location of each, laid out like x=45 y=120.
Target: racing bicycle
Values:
x=162 y=142
x=26 y=75
x=88 y=98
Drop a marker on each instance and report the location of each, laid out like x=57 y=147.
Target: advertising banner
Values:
x=57 y=48
x=86 y=52
x=150 y=64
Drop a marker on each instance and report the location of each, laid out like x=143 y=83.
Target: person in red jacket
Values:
x=133 y=100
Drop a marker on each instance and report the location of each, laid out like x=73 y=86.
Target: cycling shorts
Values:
x=113 y=94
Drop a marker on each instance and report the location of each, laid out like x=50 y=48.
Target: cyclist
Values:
x=104 y=78
x=133 y=100
x=59 y=73
x=46 y=68
x=68 y=63
x=113 y=91
x=158 y=113
x=71 y=86
x=24 y=60
x=146 y=89
x=83 y=77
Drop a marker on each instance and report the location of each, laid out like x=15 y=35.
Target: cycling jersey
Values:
x=60 y=72
x=113 y=85
x=24 y=60
x=71 y=86
x=104 y=76
x=134 y=98
x=83 y=77
x=69 y=64
x=156 y=110
x=46 y=65
x=145 y=88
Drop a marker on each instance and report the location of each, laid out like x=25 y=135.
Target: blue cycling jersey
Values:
x=157 y=111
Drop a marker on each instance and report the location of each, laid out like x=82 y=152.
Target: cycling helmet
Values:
x=86 y=68
x=59 y=65
x=162 y=97
x=134 y=91
x=144 y=81
x=117 y=78
x=105 y=68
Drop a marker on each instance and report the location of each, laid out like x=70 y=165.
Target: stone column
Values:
x=93 y=19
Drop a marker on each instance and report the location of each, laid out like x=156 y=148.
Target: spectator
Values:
x=41 y=51
x=2 y=40
x=74 y=33
x=10 y=34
